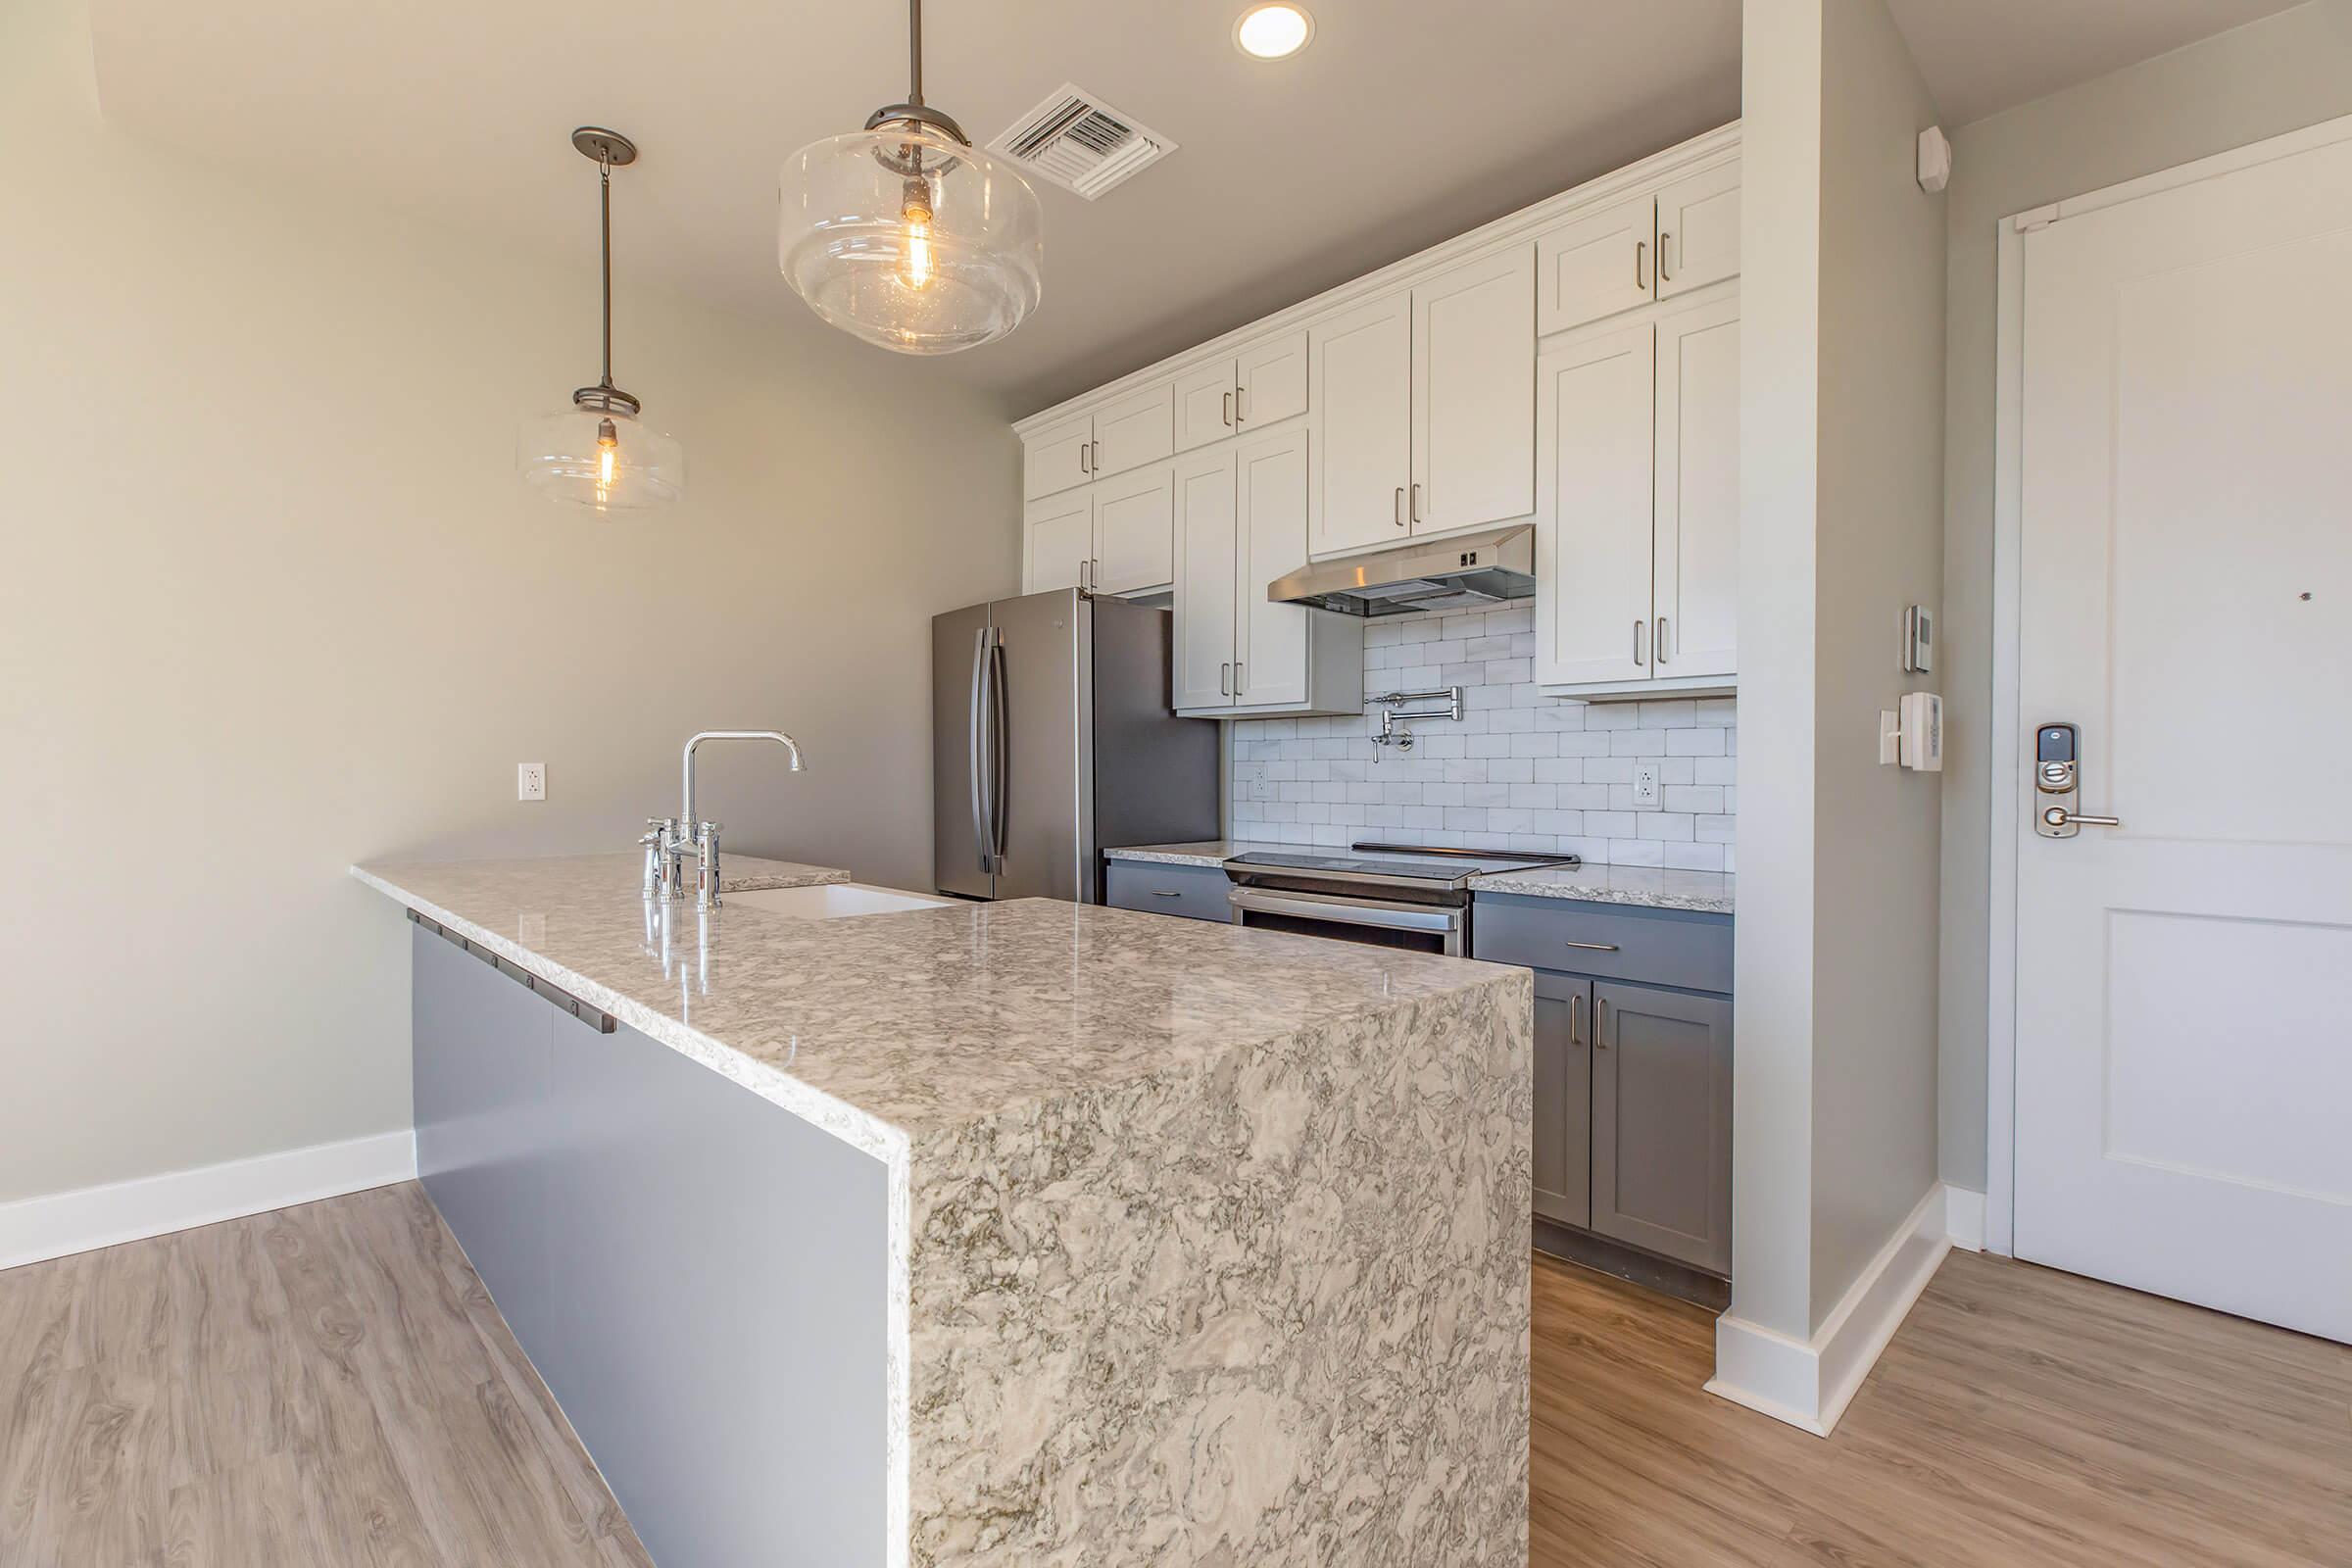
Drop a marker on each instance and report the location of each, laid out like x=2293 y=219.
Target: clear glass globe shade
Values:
x=611 y=461
x=909 y=239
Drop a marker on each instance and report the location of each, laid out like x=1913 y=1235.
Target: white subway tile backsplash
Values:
x=1520 y=770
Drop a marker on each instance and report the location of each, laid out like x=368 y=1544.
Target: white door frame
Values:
x=2006 y=785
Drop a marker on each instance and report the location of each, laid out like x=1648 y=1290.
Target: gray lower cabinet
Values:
x=1195 y=891
x=1563 y=1099
x=700 y=1276
x=1661 y=1128
x=1633 y=1069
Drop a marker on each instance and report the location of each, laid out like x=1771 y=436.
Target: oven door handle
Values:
x=1348 y=911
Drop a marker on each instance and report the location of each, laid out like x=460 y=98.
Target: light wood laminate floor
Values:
x=322 y=1386
x=329 y=1385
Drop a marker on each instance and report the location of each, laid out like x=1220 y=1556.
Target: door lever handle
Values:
x=2060 y=816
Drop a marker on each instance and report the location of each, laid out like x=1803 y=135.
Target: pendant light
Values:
x=596 y=452
x=905 y=234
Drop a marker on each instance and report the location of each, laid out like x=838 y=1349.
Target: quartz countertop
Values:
x=1207 y=852
x=884 y=1027
x=1708 y=892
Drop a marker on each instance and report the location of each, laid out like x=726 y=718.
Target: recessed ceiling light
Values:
x=1273 y=32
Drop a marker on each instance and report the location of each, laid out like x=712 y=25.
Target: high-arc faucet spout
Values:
x=686 y=817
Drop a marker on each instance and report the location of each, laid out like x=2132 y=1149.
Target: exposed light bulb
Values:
x=607 y=454
x=918 y=271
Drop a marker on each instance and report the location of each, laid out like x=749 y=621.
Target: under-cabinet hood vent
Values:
x=1079 y=142
x=1469 y=572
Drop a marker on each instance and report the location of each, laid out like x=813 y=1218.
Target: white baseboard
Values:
x=1964 y=1217
x=33 y=1229
x=1808 y=1382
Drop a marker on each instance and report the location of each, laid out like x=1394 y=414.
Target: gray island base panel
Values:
x=1024 y=1232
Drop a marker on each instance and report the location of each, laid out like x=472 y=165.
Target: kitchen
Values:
x=1318 y=908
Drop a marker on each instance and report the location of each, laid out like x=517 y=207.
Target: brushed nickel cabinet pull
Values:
x=1664 y=276
x=1229 y=410
x=1600 y=1023
x=1416 y=502
x=1241 y=404
x=1576 y=1019
x=1225 y=680
x=1400 y=506
x=1637 y=644
x=1593 y=947
x=1660 y=650
x=1639 y=246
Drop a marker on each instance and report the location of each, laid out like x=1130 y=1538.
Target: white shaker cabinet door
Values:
x=1134 y=430
x=1270 y=652
x=1061 y=540
x=1135 y=527
x=1058 y=457
x=1270 y=382
x=1206 y=555
x=1698 y=232
x=1205 y=406
x=1697 y=597
x=1596 y=264
x=1474 y=394
x=1360 y=375
x=1593 y=409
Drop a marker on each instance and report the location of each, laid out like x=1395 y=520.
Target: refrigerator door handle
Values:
x=980 y=734
x=1002 y=785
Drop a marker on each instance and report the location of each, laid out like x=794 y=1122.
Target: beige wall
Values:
x=2264 y=80
x=277 y=602
x=1842 y=416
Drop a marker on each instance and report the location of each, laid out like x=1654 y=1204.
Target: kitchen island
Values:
x=1025 y=1231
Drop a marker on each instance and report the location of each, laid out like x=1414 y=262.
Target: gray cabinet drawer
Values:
x=1613 y=942
x=1196 y=892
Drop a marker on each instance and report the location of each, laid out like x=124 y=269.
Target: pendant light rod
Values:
x=611 y=150
x=915 y=52
x=604 y=172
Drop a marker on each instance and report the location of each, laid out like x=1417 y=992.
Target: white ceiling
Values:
x=1404 y=122
x=1980 y=57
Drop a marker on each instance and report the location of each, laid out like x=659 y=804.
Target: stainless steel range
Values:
x=1389 y=895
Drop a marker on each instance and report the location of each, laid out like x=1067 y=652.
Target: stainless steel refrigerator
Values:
x=1054 y=738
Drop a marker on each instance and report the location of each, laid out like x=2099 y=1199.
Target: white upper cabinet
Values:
x=1697 y=597
x=1204 y=405
x=1135 y=531
x=1594 y=404
x=1205 y=602
x=1698 y=232
x=1061 y=540
x=1270 y=382
x=1270 y=508
x=1058 y=457
x=1360 y=375
x=1134 y=430
x=1596 y=265
x=1474 y=395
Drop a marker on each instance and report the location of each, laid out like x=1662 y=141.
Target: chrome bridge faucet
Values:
x=670 y=839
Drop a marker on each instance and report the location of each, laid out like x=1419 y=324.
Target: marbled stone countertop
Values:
x=1207 y=851
x=1710 y=891
x=885 y=1027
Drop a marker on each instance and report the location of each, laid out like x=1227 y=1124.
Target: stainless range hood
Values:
x=1468 y=572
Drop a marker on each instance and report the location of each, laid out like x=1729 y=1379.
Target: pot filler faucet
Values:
x=669 y=838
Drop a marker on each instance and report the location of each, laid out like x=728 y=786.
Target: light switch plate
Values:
x=1646 y=783
x=531 y=781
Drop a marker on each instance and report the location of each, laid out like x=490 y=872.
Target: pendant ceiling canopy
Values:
x=597 y=453
x=905 y=234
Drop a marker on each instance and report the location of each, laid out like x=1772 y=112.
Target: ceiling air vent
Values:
x=1079 y=142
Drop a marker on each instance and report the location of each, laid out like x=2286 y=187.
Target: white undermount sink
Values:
x=832 y=900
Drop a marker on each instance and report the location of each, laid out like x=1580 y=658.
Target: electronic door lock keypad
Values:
x=2054 y=747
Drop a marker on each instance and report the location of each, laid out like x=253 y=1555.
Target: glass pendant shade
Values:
x=909 y=238
x=606 y=459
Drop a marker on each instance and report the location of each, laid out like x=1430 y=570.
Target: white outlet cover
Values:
x=1646 y=784
x=531 y=781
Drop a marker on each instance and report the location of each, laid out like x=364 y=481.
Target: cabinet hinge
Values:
x=2039 y=218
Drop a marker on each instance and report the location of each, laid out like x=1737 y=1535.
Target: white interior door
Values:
x=1205 y=579
x=2184 y=1049
x=1360 y=371
x=1594 y=508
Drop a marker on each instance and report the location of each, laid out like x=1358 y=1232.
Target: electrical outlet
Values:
x=1646 y=783
x=531 y=781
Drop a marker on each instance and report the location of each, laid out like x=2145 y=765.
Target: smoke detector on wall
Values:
x=1077 y=141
